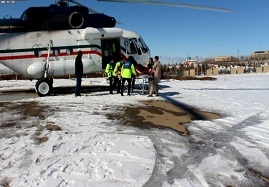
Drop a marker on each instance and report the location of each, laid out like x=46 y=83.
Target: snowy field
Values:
x=63 y=140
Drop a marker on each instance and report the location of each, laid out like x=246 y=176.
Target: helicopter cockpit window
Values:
x=132 y=46
x=138 y=46
x=144 y=47
x=135 y=46
x=69 y=51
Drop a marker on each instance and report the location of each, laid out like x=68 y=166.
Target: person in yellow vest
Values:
x=117 y=73
x=110 y=74
x=126 y=73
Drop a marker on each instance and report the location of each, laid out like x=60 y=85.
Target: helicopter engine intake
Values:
x=76 y=20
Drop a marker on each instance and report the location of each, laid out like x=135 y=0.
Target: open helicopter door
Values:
x=110 y=50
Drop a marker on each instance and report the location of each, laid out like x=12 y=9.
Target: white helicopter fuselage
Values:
x=43 y=54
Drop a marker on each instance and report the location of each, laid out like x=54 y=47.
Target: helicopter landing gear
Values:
x=43 y=87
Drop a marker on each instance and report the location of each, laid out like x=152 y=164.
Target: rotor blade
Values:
x=171 y=4
x=90 y=10
x=79 y=4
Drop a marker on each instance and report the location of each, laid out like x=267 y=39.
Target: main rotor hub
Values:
x=63 y=3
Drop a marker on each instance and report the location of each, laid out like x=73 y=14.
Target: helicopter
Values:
x=43 y=43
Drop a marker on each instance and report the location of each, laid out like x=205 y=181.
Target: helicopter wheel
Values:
x=44 y=87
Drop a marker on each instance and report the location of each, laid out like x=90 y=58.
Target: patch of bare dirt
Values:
x=38 y=134
x=17 y=118
x=21 y=116
x=160 y=114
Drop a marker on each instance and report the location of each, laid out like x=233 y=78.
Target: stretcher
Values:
x=141 y=83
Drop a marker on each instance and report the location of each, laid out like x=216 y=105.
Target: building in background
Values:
x=260 y=55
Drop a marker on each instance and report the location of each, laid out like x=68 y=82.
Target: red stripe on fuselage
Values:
x=16 y=57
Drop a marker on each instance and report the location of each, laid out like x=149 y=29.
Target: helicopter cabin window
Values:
x=37 y=53
x=69 y=51
x=56 y=52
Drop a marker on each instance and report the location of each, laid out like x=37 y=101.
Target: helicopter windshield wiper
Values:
x=171 y=4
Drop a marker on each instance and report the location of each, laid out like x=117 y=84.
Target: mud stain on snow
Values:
x=161 y=114
x=264 y=178
x=153 y=114
x=18 y=118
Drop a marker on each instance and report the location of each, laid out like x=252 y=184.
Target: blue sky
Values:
x=178 y=32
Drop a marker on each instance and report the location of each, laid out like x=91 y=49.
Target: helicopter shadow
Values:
x=162 y=86
x=84 y=89
x=168 y=94
x=191 y=110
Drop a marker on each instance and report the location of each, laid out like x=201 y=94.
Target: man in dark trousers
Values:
x=127 y=70
x=78 y=72
x=117 y=72
x=111 y=75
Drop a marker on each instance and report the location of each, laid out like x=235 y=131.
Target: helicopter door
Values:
x=110 y=50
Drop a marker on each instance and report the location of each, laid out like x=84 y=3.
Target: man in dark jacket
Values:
x=78 y=72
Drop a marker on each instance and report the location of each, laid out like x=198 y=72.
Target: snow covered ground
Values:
x=69 y=141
